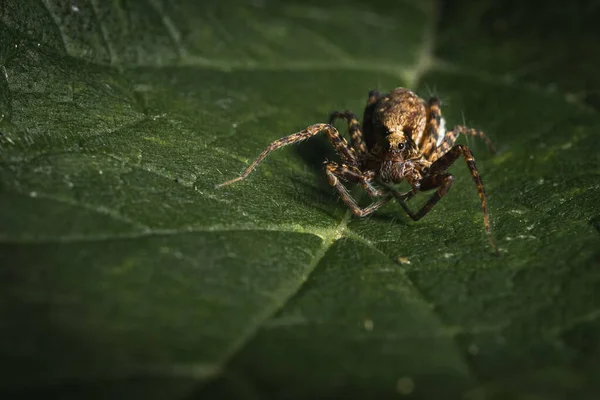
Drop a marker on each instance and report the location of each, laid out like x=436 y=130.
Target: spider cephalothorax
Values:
x=402 y=138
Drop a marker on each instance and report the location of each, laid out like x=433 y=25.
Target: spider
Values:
x=403 y=137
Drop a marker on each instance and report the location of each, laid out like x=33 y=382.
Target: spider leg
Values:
x=438 y=178
x=452 y=135
x=352 y=174
x=356 y=135
x=427 y=141
x=335 y=172
x=442 y=181
x=339 y=143
x=434 y=117
x=374 y=95
x=368 y=135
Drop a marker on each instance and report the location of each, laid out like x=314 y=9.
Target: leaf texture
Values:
x=125 y=273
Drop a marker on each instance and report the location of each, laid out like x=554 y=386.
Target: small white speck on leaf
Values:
x=448 y=255
x=234 y=125
x=403 y=260
x=368 y=324
x=405 y=385
x=33 y=194
x=525 y=237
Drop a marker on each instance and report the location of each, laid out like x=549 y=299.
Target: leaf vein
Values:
x=57 y=25
x=171 y=29
x=328 y=240
x=112 y=55
x=149 y=232
x=97 y=209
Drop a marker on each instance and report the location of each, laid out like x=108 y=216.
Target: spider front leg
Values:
x=335 y=172
x=356 y=134
x=442 y=182
x=437 y=178
x=339 y=143
x=354 y=175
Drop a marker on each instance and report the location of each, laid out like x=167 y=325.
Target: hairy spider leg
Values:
x=442 y=182
x=427 y=141
x=438 y=178
x=339 y=143
x=333 y=171
x=352 y=174
x=452 y=135
x=368 y=112
x=374 y=95
x=356 y=134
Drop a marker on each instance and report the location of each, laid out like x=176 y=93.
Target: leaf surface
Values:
x=125 y=273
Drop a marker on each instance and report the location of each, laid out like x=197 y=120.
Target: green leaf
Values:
x=125 y=273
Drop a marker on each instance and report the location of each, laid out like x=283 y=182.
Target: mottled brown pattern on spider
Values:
x=400 y=139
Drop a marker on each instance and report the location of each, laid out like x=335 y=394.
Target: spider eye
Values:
x=400 y=146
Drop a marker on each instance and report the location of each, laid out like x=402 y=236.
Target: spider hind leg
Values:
x=356 y=135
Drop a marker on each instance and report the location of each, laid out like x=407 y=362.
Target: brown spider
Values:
x=402 y=137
